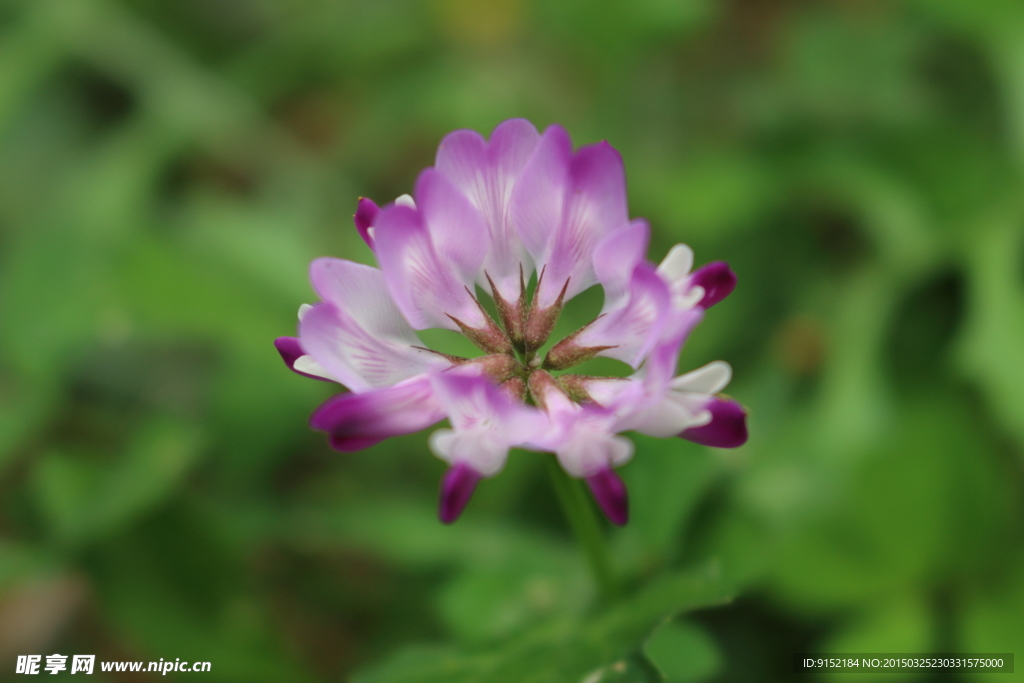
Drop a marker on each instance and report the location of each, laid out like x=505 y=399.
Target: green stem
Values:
x=585 y=525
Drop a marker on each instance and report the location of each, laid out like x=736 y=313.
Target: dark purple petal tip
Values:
x=366 y=214
x=610 y=493
x=290 y=349
x=718 y=281
x=727 y=429
x=457 y=487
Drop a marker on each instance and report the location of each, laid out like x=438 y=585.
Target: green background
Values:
x=169 y=168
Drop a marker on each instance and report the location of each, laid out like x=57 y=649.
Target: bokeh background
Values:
x=169 y=168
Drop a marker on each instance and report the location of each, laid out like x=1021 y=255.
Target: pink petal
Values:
x=595 y=206
x=486 y=421
x=355 y=355
x=472 y=400
x=423 y=287
x=563 y=205
x=659 y=369
x=486 y=174
x=459 y=235
x=538 y=199
x=356 y=421
x=633 y=324
x=361 y=292
x=358 y=334
x=617 y=256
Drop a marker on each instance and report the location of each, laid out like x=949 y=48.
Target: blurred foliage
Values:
x=168 y=169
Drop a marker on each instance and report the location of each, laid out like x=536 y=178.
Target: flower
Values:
x=492 y=214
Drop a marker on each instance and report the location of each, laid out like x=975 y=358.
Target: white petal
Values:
x=476 y=447
x=440 y=443
x=589 y=451
x=669 y=417
x=303 y=310
x=308 y=365
x=606 y=392
x=685 y=300
x=709 y=379
x=405 y=200
x=677 y=263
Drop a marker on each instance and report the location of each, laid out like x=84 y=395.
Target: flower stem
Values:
x=586 y=526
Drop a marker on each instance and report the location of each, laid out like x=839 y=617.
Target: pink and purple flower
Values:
x=491 y=215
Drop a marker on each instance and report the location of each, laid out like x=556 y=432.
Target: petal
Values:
x=358 y=357
x=538 y=198
x=716 y=279
x=292 y=353
x=607 y=391
x=356 y=421
x=457 y=487
x=727 y=428
x=710 y=379
x=307 y=365
x=633 y=326
x=359 y=334
x=666 y=416
x=457 y=229
x=512 y=143
x=587 y=451
x=617 y=256
x=486 y=174
x=595 y=205
x=473 y=401
x=477 y=448
x=422 y=287
x=563 y=205
x=290 y=349
x=660 y=366
x=610 y=493
x=366 y=214
x=361 y=293
x=677 y=263
x=486 y=421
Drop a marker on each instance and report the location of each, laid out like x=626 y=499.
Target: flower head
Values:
x=494 y=214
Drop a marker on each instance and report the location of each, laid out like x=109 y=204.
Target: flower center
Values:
x=512 y=344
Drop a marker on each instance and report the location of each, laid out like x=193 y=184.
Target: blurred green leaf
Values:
x=683 y=652
x=84 y=500
x=562 y=649
x=898 y=520
x=991 y=350
x=898 y=623
x=992 y=616
x=665 y=481
x=487 y=603
x=20 y=562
